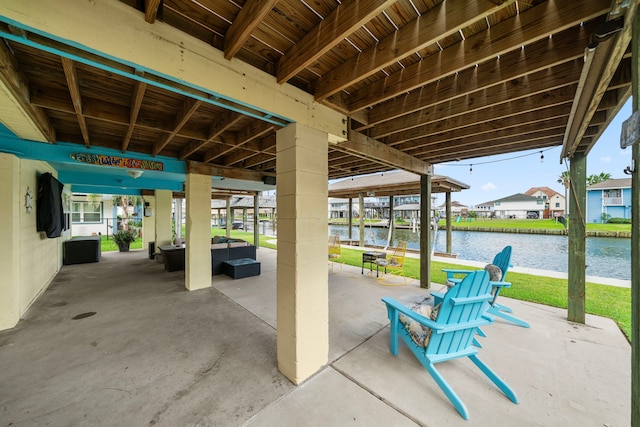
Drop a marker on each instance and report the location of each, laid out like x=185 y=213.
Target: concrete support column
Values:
x=302 y=281
x=350 y=221
x=177 y=218
x=148 y=222
x=164 y=235
x=197 y=266
x=577 y=237
x=11 y=203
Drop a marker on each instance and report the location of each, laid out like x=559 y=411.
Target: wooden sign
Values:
x=630 y=131
x=118 y=162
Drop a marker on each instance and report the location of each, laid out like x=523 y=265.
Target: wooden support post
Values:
x=361 y=221
x=350 y=216
x=425 y=231
x=577 y=236
x=256 y=220
x=448 y=214
x=635 y=235
x=229 y=221
x=391 y=221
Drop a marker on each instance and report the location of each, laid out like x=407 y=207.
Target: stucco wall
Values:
x=40 y=257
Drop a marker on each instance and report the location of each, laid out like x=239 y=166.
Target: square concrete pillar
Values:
x=198 y=232
x=148 y=222
x=11 y=202
x=302 y=288
x=164 y=234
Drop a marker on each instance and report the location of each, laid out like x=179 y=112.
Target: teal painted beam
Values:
x=119 y=182
x=210 y=98
x=87 y=189
x=62 y=151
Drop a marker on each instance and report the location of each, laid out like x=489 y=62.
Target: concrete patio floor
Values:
x=155 y=354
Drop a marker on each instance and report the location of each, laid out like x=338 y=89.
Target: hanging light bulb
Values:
x=470 y=169
x=541 y=157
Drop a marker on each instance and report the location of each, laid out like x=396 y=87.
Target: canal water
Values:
x=605 y=256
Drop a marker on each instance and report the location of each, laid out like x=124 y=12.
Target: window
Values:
x=83 y=212
x=557 y=204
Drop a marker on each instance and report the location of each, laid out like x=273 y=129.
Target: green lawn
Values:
x=107 y=244
x=601 y=300
x=543 y=224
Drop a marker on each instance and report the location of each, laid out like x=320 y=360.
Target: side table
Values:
x=371 y=257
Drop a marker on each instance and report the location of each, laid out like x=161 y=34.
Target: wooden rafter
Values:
x=189 y=107
x=151 y=10
x=535 y=24
x=523 y=88
x=74 y=90
x=249 y=17
x=566 y=46
x=251 y=149
x=136 y=103
x=440 y=22
x=341 y=22
x=362 y=146
x=601 y=64
x=17 y=84
x=249 y=133
x=220 y=125
x=225 y=171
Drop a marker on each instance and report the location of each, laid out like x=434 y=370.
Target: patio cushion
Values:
x=420 y=334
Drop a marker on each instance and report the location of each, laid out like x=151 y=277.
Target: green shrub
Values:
x=619 y=221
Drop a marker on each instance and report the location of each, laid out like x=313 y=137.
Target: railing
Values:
x=612 y=201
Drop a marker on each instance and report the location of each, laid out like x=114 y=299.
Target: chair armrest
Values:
x=470 y=300
x=501 y=284
x=451 y=272
x=393 y=307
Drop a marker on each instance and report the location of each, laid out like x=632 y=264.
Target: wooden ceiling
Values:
x=420 y=80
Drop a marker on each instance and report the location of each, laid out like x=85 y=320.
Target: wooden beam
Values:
x=525 y=28
x=635 y=234
x=537 y=86
x=438 y=23
x=225 y=171
x=16 y=84
x=599 y=67
x=76 y=98
x=550 y=52
x=248 y=133
x=577 y=237
x=151 y=10
x=247 y=20
x=333 y=29
x=425 y=231
x=220 y=124
x=134 y=110
x=188 y=109
x=362 y=146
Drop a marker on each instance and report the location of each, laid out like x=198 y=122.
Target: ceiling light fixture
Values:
x=135 y=174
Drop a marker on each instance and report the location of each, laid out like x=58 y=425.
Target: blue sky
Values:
x=500 y=176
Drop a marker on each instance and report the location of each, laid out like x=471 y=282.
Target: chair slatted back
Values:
x=399 y=252
x=503 y=260
x=462 y=309
x=334 y=246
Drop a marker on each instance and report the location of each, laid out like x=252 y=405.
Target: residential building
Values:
x=554 y=202
x=485 y=210
x=519 y=206
x=609 y=199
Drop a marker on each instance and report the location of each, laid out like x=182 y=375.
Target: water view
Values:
x=606 y=257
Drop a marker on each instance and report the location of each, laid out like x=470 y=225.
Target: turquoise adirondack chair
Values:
x=449 y=333
x=503 y=261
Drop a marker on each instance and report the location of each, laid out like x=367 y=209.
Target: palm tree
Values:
x=124 y=202
x=595 y=179
x=565 y=180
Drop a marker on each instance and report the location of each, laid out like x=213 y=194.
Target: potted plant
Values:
x=123 y=239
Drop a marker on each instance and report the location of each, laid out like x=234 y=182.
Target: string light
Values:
x=496 y=161
x=470 y=169
x=541 y=157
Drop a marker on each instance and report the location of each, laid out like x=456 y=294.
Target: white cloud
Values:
x=489 y=186
x=606 y=159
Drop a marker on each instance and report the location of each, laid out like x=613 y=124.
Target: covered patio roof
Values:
x=397 y=84
x=392 y=184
